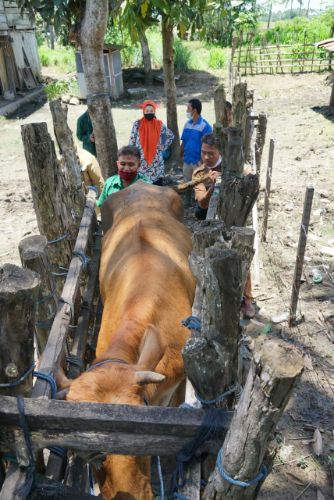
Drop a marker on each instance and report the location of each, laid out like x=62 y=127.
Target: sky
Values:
x=314 y=4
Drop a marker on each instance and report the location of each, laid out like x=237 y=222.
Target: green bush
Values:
x=45 y=60
x=217 y=58
x=182 y=56
x=62 y=57
x=56 y=89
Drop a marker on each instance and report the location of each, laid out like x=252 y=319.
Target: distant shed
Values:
x=19 y=60
x=328 y=45
x=112 y=70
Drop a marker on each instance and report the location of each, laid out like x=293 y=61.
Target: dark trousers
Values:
x=200 y=213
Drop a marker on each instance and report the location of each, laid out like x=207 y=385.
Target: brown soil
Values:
x=302 y=127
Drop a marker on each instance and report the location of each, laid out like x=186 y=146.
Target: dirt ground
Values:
x=300 y=123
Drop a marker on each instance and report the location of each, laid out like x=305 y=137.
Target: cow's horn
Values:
x=147 y=377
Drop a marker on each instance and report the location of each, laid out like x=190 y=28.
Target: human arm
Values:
x=168 y=137
x=203 y=192
x=134 y=134
x=95 y=175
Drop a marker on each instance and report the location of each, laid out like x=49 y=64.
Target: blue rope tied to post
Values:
x=18 y=380
x=74 y=360
x=94 y=188
x=208 y=402
x=49 y=379
x=243 y=484
x=57 y=240
x=193 y=323
x=161 y=479
x=84 y=259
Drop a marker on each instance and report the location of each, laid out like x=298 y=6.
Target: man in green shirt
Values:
x=85 y=133
x=128 y=164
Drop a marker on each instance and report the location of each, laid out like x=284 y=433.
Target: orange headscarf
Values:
x=149 y=133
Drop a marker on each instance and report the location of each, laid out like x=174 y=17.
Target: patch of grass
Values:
x=217 y=58
x=182 y=56
x=62 y=57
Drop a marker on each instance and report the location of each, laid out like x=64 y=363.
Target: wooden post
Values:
x=331 y=101
x=68 y=151
x=219 y=97
x=243 y=242
x=33 y=256
x=49 y=191
x=239 y=105
x=300 y=253
x=238 y=192
x=260 y=140
x=217 y=346
x=18 y=295
x=267 y=191
x=249 y=128
x=275 y=369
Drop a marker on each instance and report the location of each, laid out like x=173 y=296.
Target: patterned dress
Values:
x=157 y=167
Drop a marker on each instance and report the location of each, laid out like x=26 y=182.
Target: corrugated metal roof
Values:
x=326 y=44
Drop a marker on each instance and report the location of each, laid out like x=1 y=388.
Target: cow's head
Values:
x=124 y=476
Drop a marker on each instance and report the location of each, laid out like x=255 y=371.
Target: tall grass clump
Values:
x=217 y=58
x=182 y=56
x=62 y=57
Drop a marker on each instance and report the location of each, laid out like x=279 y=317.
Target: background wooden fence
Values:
x=296 y=57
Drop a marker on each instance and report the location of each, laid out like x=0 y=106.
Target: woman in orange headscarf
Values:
x=152 y=138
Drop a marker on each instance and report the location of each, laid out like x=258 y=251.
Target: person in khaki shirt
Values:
x=211 y=165
x=90 y=170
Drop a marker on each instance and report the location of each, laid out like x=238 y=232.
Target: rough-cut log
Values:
x=33 y=256
x=242 y=241
x=235 y=153
x=50 y=193
x=211 y=359
x=249 y=129
x=206 y=234
x=18 y=295
x=260 y=140
x=70 y=159
x=218 y=131
x=92 y=33
x=239 y=106
x=276 y=368
x=238 y=196
x=219 y=98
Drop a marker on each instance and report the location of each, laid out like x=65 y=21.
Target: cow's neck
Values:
x=123 y=344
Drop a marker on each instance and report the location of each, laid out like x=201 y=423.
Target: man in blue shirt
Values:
x=193 y=131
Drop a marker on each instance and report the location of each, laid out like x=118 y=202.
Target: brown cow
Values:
x=147 y=289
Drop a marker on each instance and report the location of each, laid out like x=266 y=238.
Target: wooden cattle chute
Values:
x=221 y=257
x=296 y=57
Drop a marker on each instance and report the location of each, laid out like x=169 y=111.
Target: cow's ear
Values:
x=151 y=350
x=147 y=377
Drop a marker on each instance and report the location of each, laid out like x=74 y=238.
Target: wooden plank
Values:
x=53 y=352
x=60 y=491
x=66 y=416
x=81 y=333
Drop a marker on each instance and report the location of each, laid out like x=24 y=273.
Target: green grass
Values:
x=61 y=57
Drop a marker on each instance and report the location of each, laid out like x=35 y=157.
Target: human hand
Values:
x=92 y=138
x=213 y=175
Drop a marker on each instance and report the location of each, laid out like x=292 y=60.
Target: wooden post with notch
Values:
x=274 y=371
x=300 y=253
x=33 y=254
x=260 y=140
x=267 y=190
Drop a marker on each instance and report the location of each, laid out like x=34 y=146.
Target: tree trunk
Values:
x=18 y=294
x=91 y=37
x=275 y=369
x=50 y=193
x=146 y=57
x=33 y=256
x=70 y=159
x=331 y=101
x=52 y=37
x=169 y=83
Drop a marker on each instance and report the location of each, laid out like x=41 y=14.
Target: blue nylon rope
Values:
x=208 y=402
x=57 y=240
x=243 y=484
x=193 y=323
x=49 y=379
x=19 y=380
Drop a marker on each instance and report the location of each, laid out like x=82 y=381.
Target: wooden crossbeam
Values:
x=93 y=427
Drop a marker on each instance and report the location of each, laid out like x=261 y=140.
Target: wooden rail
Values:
x=105 y=428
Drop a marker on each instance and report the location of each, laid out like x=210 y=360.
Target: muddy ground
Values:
x=302 y=126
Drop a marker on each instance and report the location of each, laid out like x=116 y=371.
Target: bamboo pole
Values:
x=267 y=191
x=300 y=253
